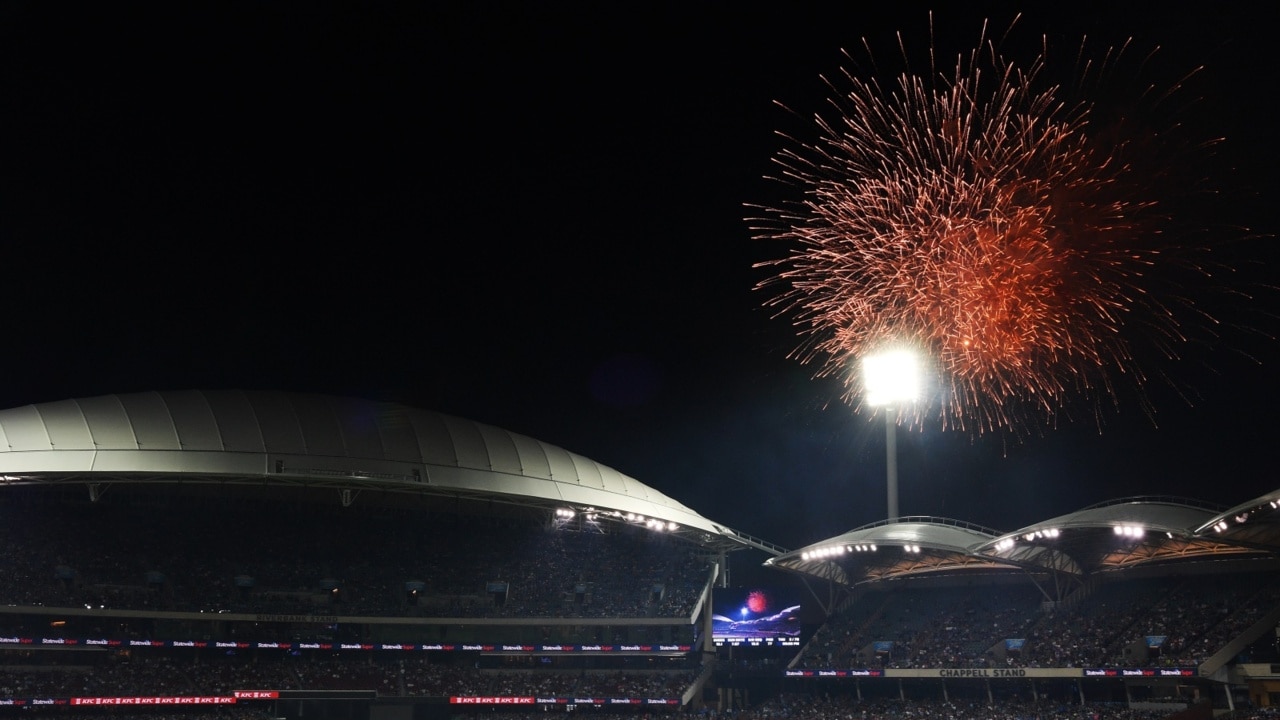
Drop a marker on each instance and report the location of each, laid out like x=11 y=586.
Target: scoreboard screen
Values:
x=757 y=616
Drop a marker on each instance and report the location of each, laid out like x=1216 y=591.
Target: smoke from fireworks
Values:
x=1007 y=232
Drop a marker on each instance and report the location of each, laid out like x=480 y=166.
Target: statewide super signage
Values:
x=366 y=646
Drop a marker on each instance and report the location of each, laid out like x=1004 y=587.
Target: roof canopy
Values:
x=1114 y=535
x=229 y=436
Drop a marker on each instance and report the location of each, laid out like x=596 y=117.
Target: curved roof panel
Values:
x=1114 y=535
x=1252 y=524
x=907 y=546
x=230 y=435
x=1111 y=535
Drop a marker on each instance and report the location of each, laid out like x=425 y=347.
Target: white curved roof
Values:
x=1093 y=539
x=224 y=435
x=1076 y=544
x=915 y=545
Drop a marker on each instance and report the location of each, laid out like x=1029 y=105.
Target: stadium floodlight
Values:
x=891 y=378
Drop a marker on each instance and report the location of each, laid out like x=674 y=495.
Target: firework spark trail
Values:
x=986 y=222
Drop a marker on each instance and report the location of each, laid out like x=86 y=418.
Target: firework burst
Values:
x=1009 y=233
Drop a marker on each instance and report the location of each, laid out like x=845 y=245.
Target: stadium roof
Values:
x=232 y=436
x=1115 y=535
x=884 y=550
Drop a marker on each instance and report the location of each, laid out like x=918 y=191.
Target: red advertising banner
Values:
x=187 y=700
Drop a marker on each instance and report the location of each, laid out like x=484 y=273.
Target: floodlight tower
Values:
x=891 y=379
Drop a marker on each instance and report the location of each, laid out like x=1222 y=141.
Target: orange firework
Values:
x=986 y=219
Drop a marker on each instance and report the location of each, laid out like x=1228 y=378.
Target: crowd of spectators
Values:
x=1167 y=621
x=782 y=707
x=1264 y=713
x=943 y=627
x=235 y=556
x=162 y=673
x=269 y=558
x=848 y=707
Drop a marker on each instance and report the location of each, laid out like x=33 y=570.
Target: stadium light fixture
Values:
x=1135 y=532
x=891 y=379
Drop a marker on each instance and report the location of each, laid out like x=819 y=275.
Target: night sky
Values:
x=532 y=215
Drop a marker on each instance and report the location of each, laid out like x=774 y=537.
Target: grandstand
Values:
x=1164 y=600
x=278 y=549
x=257 y=554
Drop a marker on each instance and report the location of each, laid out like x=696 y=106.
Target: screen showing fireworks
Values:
x=755 y=615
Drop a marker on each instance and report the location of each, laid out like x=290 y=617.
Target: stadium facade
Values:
x=237 y=452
